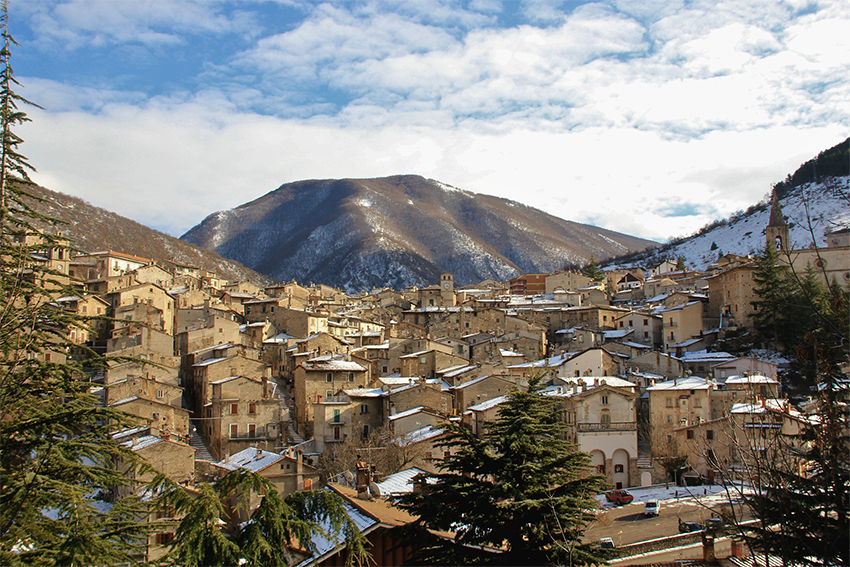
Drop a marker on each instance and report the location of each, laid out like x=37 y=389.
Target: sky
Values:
x=647 y=117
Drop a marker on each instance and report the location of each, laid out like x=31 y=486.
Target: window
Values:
x=669 y=402
x=234 y=430
x=234 y=409
x=365 y=431
x=252 y=408
x=351 y=376
x=621 y=324
x=155 y=416
x=364 y=408
x=697 y=403
x=645 y=322
x=709 y=434
x=164 y=538
x=646 y=334
x=308 y=484
x=618 y=468
x=252 y=430
x=605 y=400
x=329 y=393
x=160 y=394
x=669 y=419
x=336 y=416
x=690 y=434
x=329 y=377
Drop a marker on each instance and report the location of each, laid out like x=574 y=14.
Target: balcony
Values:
x=335 y=439
x=611 y=426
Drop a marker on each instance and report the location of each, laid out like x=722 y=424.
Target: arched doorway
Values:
x=620 y=462
x=597 y=461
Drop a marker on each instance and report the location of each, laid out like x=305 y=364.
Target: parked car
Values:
x=713 y=524
x=606 y=542
x=619 y=496
x=687 y=527
x=650 y=508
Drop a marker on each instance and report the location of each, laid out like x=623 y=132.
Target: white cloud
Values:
x=78 y=23
x=624 y=115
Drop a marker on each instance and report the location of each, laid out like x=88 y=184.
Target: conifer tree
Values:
x=520 y=495
x=57 y=458
x=275 y=527
x=772 y=315
x=593 y=271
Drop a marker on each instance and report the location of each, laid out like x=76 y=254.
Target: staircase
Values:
x=201 y=451
x=644 y=462
x=295 y=439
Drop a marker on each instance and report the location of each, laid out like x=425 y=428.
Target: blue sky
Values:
x=647 y=117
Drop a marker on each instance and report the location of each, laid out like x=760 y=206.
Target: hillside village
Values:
x=286 y=379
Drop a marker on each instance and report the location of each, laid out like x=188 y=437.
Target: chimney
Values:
x=708 y=548
x=259 y=454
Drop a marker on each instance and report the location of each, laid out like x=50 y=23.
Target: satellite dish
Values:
x=374 y=490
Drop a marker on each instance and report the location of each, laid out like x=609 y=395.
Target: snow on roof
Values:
x=280 y=338
x=704 y=356
x=400 y=482
x=452 y=368
x=225 y=380
x=209 y=361
x=141 y=442
x=421 y=434
x=690 y=383
x=617 y=334
x=485 y=405
x=252 y=459
x=591 y=381
x=635 y=345
x=508 y=353
x=406 y=413
x=687 y=343
x=421 y=352
x=126 y=432
x=364 y=392
x=214 y=347
x=343 y=365
x=124 y=401
x=751 y=379
x=470 y=383
x=458 y=371
x=676 y=307
x=398 y=380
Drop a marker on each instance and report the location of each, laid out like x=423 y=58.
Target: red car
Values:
x=619 y=496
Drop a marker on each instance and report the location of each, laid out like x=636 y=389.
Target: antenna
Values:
x=374 y=490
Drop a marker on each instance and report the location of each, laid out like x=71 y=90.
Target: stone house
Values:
x=426 y=363
x=243 y=412
x=321 y=378
x=732 y=447
x=418 y=393
x=648 y=328
x=287 y=472
x=676 y=403
x=566 y=281
x=528 y=284
x=159 y=372
x=739 y=389
x=295 y=322
x=414 y=419
x=210 y=331
x=601 y=420
x=149 y=294
x=730 y=296
x=681 y=322
x=154 y=274
x=142 y=387
x=480 y=390
x=658 y=363
x=223 y=365
x=477 y=417
x=108 y=263
x=161 y=417
x=94 y=332
x=593 y=361
x=352 y=413
x=167 y=455
x=742 y=366
x=321 y=344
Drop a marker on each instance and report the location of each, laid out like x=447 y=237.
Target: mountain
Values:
x=814 y=199
x=398 y=231
x=91 y=228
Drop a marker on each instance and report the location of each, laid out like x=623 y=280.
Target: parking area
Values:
x=627 y=524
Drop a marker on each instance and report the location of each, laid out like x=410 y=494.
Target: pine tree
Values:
x=57 y=464
x=804 y=505
x=773 y=289
x=593 y=271
x=520 y=495
x=680 y=264
x=269 y=536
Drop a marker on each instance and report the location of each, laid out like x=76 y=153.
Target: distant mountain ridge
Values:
x=92 y=228
x=398 y=231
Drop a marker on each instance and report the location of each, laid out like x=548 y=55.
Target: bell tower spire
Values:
x=777 y=229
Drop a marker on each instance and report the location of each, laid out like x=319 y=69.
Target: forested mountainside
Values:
x=398 y=231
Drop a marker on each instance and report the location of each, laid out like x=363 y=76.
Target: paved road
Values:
x=627 y=524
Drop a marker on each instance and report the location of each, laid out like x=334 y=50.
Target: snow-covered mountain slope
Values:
x=398 y=231
x=810 y=209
